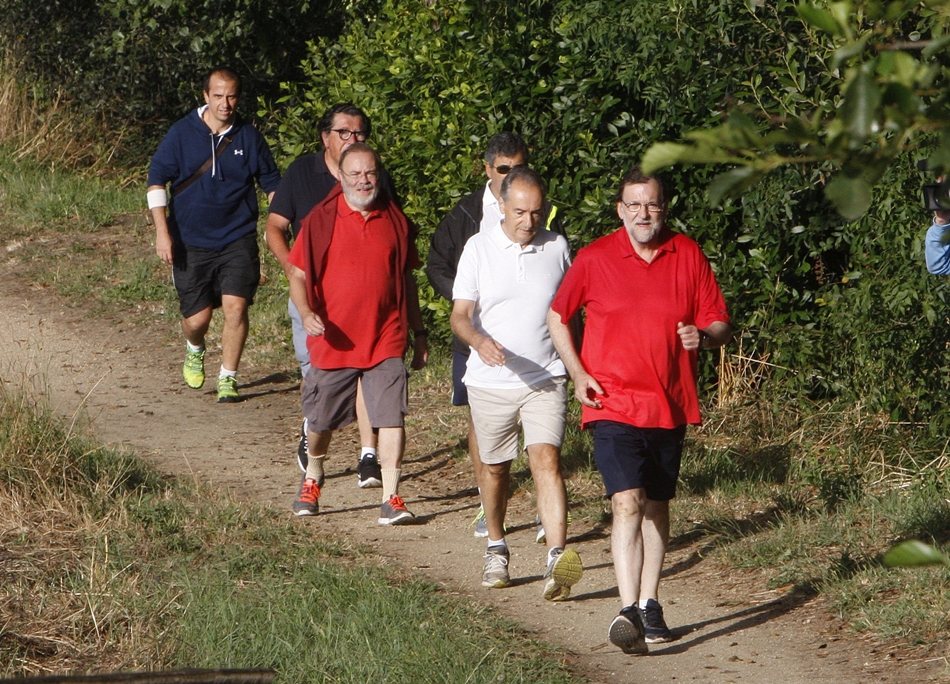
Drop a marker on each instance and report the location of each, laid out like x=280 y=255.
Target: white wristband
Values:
x=157 y=198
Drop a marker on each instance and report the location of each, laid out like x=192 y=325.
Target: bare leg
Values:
x=235 y=330
x=494 y=483
x=367 y=436
x=545 y=463
x=656 y=535
x=195 y=327
x=626 y=542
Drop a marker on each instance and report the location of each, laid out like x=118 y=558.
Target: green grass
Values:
x=112 y=568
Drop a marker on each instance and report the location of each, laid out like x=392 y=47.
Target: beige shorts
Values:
x=496 y=415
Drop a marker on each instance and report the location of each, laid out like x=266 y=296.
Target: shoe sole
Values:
x=658 y=640
x=369 y=483
x=627 y=637
x=305 y=513
x=497 y=584
x=228 y=400
x=480 y=534
x=567 y=571
x=402 y=519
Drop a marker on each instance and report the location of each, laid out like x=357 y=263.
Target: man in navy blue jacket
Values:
x=212 y=159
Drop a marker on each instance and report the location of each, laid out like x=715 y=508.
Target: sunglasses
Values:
x=505 y=169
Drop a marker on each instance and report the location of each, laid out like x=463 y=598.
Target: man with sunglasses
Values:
x=307 y=182
x=473 y=213
x=652 y=302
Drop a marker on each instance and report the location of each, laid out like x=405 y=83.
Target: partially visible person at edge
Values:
x=937 y=242
x=506 y=279
x=306 y=183
x=351 y=280
x=212 y=159
x=652 y=303
x=473 y=213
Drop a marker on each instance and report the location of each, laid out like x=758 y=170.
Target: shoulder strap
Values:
x=184 y=185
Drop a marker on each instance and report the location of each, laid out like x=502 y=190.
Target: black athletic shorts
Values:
x=459 y=390
x=629 y=457
x=203 y=275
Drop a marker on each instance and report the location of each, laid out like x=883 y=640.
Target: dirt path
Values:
x=126 y=378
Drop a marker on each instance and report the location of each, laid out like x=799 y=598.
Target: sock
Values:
x=501 y=544
x=367 y=451
x=192 y=347
x=554 y=551
x=390 y=482
x=315 y=467
x=642 y=603
x=225 y=373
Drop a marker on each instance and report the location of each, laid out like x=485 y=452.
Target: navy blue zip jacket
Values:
x=221 y=206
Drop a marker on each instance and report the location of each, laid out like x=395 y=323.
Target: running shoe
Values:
x=654 y=625
x=369 y=473
x=627 y=632
x=542 y=536
x=564 y=571
x=308 y=497
x=303 y=453
x=480 y=524
x=495 y=574
x=227 y=390
x=194 y=369
x=394 y=512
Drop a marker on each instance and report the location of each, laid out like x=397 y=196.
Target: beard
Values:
x=641 y=232
x=358 y=201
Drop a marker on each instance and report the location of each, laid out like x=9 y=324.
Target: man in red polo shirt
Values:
x=652 y=302
x=353 y=286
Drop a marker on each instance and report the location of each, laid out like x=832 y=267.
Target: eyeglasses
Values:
x=634 y=207
x=356 y=175
x=505 y=169
x=346 y=134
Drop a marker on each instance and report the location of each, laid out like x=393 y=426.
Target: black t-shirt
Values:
x=306 y=183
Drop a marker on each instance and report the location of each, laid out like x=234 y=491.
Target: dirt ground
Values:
x=124 y=379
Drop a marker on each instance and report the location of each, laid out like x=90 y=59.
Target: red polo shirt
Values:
x=358 y=293
x=630 y=343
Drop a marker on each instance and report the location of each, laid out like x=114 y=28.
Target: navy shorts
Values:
x=629 y=457
x=459 y=390
x=203 y=275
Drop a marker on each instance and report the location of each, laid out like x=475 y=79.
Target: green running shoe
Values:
x=194 y=369
x=227 y=390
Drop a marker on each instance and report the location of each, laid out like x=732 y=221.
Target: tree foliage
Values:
x=838 y=310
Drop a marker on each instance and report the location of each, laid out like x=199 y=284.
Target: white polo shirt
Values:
x=491 y=211
x=512 y=289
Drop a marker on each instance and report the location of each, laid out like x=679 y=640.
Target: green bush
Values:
x=843 y=310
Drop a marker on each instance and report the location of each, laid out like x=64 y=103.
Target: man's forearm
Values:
x=564 y=344
x=714 y=335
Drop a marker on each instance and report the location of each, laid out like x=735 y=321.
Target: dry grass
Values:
x=45 y=129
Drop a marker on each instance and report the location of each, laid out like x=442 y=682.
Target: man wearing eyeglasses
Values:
x=473 y=213
x=307 y=182
x=351 y=281
x=652 y=302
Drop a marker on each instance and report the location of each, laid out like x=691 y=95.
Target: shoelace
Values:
x=396 y=503
x=311 y=491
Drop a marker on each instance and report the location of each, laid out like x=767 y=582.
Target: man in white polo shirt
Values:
x=507 y=277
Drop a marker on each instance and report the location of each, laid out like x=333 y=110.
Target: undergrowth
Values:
x=108 y=567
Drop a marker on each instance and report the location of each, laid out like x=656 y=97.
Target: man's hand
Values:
x=420 y=352
x=490 y=352
x=586 y=390
x=689 y=336
x=312 y=323
x=164 y=247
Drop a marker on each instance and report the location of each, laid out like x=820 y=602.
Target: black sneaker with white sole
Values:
x=303 y=453
x=654 y=625
x=369 y=472
x=627 y=633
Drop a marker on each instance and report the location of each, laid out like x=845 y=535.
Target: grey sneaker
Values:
x=654 y=625
x=542 y=538
x=495 y=575
x=303 y=448
x=308 y=497
x=394 y=512
x=564 y=571
x=627 y=633
x=480 y=524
